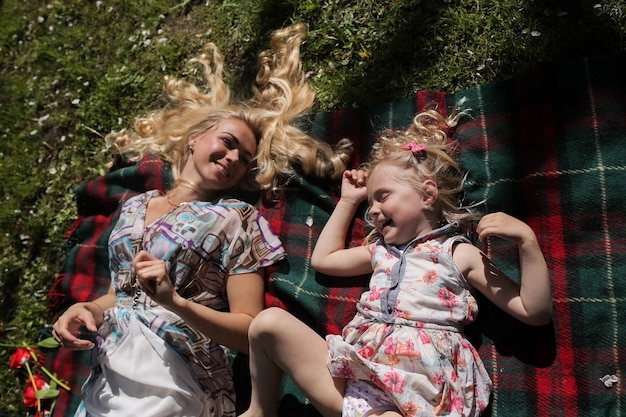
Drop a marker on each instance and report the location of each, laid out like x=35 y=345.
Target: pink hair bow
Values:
x=414 y=147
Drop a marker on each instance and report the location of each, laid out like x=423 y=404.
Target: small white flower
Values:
x=609 y=380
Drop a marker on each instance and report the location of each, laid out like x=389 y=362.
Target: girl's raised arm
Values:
x=330 y=255
x=530 y=301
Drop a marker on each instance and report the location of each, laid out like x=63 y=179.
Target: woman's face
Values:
x=220 y=157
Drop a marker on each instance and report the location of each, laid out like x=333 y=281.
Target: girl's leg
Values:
x=280 y=343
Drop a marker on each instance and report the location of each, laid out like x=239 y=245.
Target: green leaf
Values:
x=49 y=343
x=45 y=394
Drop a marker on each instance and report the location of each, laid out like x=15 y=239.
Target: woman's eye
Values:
x=228 y=142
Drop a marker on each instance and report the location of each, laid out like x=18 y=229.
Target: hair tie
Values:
x=414 y=147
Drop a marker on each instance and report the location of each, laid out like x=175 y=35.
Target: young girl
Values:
x=404 y=352
x=187 y=265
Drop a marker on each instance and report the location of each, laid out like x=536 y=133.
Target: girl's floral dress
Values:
x=407 y=335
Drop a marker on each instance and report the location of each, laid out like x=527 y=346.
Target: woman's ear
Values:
x=431 y=193
x=191 y=141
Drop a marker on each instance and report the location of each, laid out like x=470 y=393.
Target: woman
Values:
x=187 y=266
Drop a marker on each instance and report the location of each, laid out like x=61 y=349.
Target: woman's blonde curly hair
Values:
x=281 y=95
x=436 y=162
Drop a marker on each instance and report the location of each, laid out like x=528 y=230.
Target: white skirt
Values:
x=143 y=376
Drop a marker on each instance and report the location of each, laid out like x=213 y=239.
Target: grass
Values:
x=72 y=71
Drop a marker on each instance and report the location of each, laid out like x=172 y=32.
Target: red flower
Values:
x=409 y=409
x=366 y=351
x=447 y=297
x=394 y=381
x=30 y=395
x=19 y=358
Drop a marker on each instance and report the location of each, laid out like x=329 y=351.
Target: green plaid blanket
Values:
x=547 y=147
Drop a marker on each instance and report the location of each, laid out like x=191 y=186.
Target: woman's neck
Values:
x=185 y=191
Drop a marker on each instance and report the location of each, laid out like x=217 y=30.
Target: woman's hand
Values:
x=65 y=329
x=153 y=278
x=81 y=315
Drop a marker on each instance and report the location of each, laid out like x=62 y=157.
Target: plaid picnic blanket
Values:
x=548 y=147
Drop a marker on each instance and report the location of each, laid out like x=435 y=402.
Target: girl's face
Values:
x=397 y=209
x=221 y=156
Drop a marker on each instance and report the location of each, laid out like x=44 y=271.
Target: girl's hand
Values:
x=505 y=227
x=153 y=277
x=354 y=186
x=530 y=300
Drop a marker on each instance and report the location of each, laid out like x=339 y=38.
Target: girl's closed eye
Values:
x=380 y=195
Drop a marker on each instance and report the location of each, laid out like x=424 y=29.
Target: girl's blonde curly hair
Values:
x=425 y=151
x=281 y=95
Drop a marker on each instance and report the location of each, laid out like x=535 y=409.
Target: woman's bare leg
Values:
x=282 y=344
